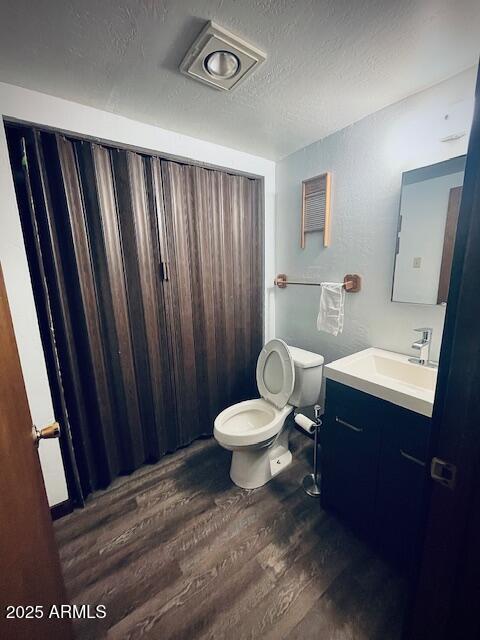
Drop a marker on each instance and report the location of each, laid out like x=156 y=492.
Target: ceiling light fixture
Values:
x=222 y=64
x=220 y=59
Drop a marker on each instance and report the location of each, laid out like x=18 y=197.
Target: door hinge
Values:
x=443 y=472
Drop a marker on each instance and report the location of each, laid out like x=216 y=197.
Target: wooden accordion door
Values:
x=93 y=210
x=214 y=291
x=152 y=272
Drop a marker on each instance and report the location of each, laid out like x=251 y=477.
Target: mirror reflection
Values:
x=429 y=206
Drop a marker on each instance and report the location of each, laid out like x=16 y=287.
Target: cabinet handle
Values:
x=412 y=458
x=348 y=425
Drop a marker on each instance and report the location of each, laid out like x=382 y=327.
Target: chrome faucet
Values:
x=423 y=346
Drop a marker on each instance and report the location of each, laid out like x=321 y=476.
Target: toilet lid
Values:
x=275 y=373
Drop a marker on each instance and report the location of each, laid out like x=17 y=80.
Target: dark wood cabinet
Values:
x=401 y=482
x=350 y=455
x=373 y=468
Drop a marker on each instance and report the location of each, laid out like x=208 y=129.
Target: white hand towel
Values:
x=331 y=312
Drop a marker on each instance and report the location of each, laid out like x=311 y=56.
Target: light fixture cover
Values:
x=220 y=59
x=222 y=64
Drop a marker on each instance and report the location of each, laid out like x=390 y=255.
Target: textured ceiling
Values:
x=330 y=62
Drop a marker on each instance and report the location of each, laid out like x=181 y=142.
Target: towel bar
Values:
x=352 y=282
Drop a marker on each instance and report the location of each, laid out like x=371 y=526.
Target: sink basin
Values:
x=389 y=376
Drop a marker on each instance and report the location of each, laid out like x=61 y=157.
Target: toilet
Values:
x=254 y=430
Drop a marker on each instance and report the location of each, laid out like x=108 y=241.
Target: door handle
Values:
x=165 y=273
x=52 y=431
x=348 y=425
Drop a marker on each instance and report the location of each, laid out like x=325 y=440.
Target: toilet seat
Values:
x=275 y=373
x=252 y=422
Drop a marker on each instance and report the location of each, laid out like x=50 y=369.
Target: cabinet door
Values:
x=401 y=483
x=350 y=453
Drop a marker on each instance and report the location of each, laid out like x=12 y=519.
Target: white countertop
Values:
x=389 y=376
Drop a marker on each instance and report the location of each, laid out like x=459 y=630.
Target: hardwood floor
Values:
x=176 y=551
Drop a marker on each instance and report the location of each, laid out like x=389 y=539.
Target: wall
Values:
x=367 y=160
x=31 y=106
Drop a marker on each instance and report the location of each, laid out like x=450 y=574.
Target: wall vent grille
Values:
x=316 y=207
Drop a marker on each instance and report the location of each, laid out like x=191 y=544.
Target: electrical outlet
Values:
x=417 y=263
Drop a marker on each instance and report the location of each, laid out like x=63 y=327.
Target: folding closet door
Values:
x=214 y=299
x=93 y=211
x=109 y=200
x=151 y=294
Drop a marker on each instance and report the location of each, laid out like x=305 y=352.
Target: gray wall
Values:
x=366 y=160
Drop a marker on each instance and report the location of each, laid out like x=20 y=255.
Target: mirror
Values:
x=429 y=205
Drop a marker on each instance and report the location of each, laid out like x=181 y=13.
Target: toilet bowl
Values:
x=254 y=430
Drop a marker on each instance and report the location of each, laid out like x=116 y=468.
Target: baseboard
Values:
x=61 y=509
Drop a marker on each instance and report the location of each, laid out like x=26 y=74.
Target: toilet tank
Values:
x=308 y=377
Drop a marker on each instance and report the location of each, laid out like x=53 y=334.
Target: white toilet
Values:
x=287 y=377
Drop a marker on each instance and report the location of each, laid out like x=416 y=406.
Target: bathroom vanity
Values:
x=374 y=446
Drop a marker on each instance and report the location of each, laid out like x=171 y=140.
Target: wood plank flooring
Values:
x=176 y=551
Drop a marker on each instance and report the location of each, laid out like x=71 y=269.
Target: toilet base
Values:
x=253 y=468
